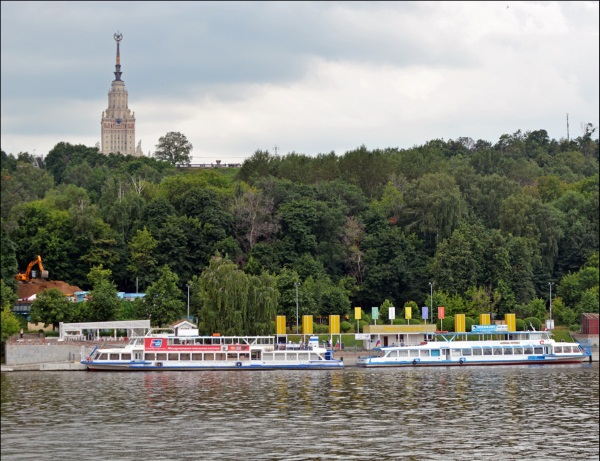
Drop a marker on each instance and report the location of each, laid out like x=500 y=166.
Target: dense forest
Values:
x=473 y=226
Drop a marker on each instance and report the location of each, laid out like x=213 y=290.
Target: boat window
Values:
x=209 y=356
x=497 y=350
x=435 y=353
x=528 y=350
x=196 y=356
x=303 y=356
x=219 y=356
x=518 y=350
x=487 y=351
x=403 y=353
x=508 y=351
x=279 y=356
x=466 y=352
x=414 y=353
x=173 y=356
x=538 y=350
x=114 y=356
x=425 y=353
x=456 y=352
x=184 y=356
x=558 y=350
x=103 y=357
x=255 y=355
x=477 y=351
x=150 y=356
x=161 y=356
x=125 y=356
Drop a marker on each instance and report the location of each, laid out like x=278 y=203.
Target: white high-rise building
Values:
x=118 y=122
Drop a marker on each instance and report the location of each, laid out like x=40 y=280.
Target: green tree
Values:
x=232 y=302
x=51 y=307
x=104 y=303
x=10 y=323
x=174 y=148
x=525 y=216
x=8 y=260
x=142 y=259
x=434 y=207
x=562 y=314
x=163 y=300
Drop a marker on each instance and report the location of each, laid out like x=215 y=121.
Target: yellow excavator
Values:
x=30 y=274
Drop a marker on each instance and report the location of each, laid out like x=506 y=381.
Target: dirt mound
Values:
x=27 y=289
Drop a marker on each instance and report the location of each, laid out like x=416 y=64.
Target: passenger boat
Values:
x=162 y=350
x=483 y=346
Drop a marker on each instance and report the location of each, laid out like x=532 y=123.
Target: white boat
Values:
x=163 y=350
x=480 y=347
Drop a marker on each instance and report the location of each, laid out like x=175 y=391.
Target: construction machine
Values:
x=30 y=273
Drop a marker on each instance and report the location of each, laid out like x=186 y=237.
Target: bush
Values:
x=320 y=329
x=537 y=323
x=521 y=325
x=345 y=327
x=448 y=323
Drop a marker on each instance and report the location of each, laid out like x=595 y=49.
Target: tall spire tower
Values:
x=118 y=122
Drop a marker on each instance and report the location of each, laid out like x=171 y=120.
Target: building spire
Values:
x=118 y=37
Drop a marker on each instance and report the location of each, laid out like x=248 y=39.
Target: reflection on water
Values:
x=471 y=413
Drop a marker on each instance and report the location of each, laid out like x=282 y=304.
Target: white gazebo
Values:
x=75 y=331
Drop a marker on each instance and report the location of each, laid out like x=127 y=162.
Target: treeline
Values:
x=474 y=226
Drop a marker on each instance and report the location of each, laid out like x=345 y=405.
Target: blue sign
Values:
x=425 y=312
x=157 y=342
x=489 y=328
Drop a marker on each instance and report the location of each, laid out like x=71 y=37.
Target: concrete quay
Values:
x=53 y=356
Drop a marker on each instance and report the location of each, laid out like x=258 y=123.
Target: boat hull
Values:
x=232 y=366
x=374 y=363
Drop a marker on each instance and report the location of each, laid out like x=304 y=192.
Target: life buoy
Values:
x=541 y=341
x=159 y=364
x=238 y=364
x=89 y=359
x=462 y=360
x=415 y=361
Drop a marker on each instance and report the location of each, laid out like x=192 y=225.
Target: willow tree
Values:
x=233 y=302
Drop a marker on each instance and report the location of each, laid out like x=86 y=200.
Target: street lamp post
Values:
x=188 y=303
x=431 y=291
x=297 y=284
x=550 y=285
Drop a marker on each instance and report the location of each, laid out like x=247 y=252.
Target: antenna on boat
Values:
x=531 y=325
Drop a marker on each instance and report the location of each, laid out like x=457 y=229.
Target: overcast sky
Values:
x=307 y=77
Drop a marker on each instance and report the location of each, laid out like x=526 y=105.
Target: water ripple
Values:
x=500 y=413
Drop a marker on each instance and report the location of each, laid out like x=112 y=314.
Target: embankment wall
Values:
x=23 y=353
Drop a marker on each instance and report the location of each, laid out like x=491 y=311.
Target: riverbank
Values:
x=348 y=356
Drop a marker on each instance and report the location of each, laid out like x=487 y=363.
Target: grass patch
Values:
x=562 y=333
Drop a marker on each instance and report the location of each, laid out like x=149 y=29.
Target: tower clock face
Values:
x=118 y=121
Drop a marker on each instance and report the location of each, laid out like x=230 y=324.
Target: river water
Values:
x=457 y=413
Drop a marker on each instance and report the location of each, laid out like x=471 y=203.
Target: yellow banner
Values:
x=280 y=324
x=511 y=321
x=407 y=312
x=334 y=324
x=357 y=313
x=484 y=319
x=459 y=323
x=307 y=324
